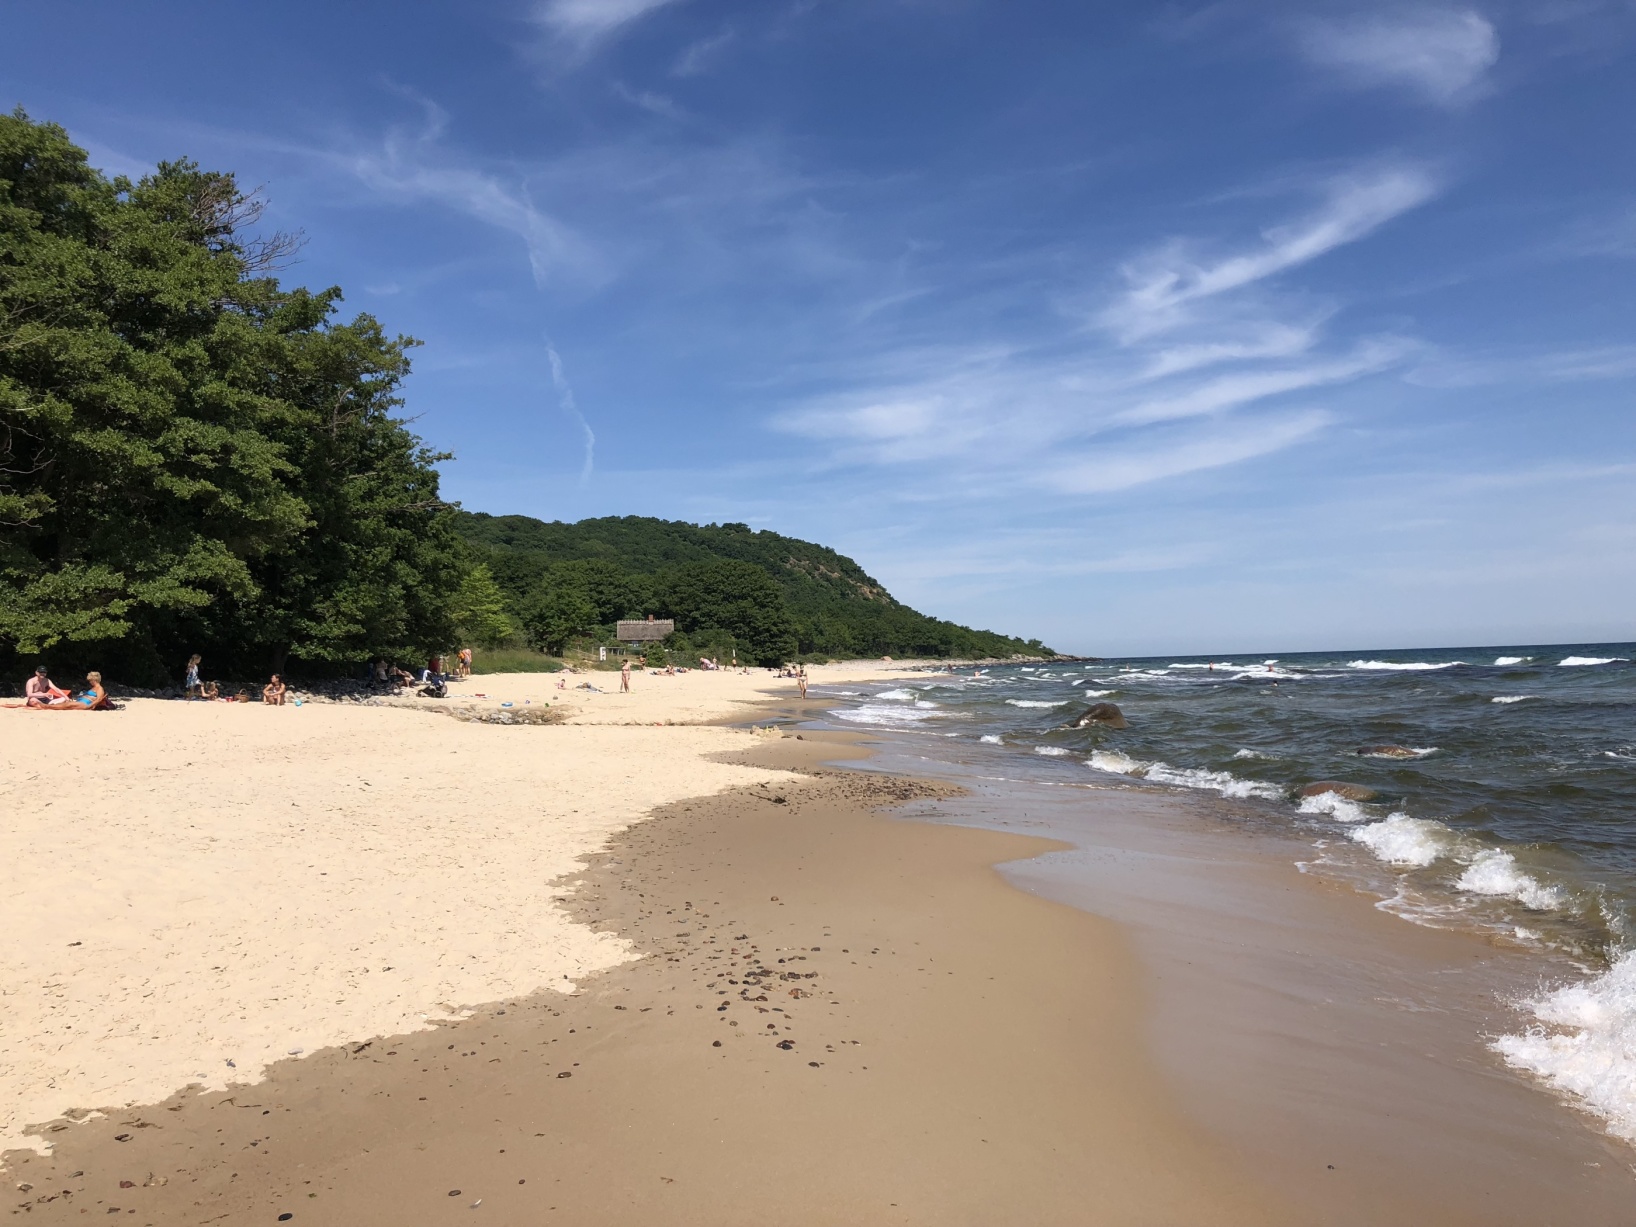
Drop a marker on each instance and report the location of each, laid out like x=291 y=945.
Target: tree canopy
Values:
x=777 y=596
x=192 y=457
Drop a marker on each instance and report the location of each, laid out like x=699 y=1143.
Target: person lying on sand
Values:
x=273 y=692
x=94 y=699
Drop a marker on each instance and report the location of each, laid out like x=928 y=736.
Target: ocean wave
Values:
x=1099 y=694
x=1511 y=660
x=1584 y=1044
x=1493 y=872
x=1254 y=754
x=1052 y=751
x=896 y=694
x=1400 y=752
x=1120 y=764
x=1571 y=661
x=1334 y=805
x=1223 y=782
x=1035 y=703
x=1510 y=698
x=989 y=739
x=1402 y=840
x=874 y=713
x=1410 y=666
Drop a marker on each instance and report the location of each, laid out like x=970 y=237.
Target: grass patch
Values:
x=513 y=660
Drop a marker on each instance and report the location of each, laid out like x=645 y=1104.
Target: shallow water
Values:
x=1503 y=781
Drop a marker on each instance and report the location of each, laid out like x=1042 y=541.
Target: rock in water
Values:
x=1388 y=752
x=1352 y=792
x=1101 y=713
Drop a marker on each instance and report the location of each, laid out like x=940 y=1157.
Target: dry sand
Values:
x=840 y=1019
x=189 y=891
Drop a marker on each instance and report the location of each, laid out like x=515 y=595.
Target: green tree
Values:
x=737 y=597
x=192 y=457
x=555 y=616
x=479 y=610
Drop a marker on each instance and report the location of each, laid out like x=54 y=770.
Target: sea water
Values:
x=1504 y=782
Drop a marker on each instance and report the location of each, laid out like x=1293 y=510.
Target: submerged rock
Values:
x=1388 y=752
x=1101 y=713
x=1352 y=792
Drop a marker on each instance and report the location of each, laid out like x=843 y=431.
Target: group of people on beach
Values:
x=273 y=693
x=42 y=693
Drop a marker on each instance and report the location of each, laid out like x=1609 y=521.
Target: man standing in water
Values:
x=625 y=677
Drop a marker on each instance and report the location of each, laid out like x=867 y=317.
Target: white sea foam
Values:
x=1511 y=660
x=1113 y=760
x=1493 y=872
x=1052 y=751
x=1510 y=698
x=896 y=694
x=926 y=703
x=1253 y=754
x=1412 y=752
x=1335 y=805
x=1410 y=666
x=878 y=713
x=1402 y=840
x=1584 y=1044
x=1223 y=782
x=990 y=739
x=1035 y=703
x=1589 y=660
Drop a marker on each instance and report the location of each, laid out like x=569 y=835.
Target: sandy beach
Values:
x=185 y=885
x=644 y=965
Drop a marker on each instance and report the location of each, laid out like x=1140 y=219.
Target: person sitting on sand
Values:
x=273 y=692
x=41 y=691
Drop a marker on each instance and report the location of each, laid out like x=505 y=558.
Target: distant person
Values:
x=274 y=691
x=625 y=677
x=383 y=671
x=801 y=681
x=464 y=658
x=41 y=691
x=190 y=685
x=95 y=697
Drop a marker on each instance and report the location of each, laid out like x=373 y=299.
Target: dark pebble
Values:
x=715 y=1043
x=786 y=1044
x=454 y=1192
x=286 y=1217
x=565 y=1074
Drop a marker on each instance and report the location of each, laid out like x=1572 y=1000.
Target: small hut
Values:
x=651 y=631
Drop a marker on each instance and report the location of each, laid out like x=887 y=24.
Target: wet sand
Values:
x=838 y=1018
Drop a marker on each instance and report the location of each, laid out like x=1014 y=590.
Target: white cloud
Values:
x=411 y=166
x=1439 y=54
x=1106 y=472
x=585 y=21
x=1244 y=387
x=1164 y=284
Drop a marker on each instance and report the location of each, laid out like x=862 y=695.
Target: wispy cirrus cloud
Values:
x=410 y=165
x=1440 y=55
x=1163 y=284
x=1192 y=367
x=584 y=22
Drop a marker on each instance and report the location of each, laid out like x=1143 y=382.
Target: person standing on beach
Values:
x=625 y=677
x=801 y=680
x=191 y=686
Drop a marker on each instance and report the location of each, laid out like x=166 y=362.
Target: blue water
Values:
x=1503 y=782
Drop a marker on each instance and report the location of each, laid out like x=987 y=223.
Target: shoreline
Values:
x=957 y=1051
x=1240 y=1117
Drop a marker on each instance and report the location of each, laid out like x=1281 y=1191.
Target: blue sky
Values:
x=1137 y=327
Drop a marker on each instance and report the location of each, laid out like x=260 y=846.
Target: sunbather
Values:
x=273 y=692
x=41 y=691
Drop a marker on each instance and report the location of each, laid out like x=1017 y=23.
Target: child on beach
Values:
x=273 y=692
x=190 y=686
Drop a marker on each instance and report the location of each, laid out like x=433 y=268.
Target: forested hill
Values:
x=834 y=607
